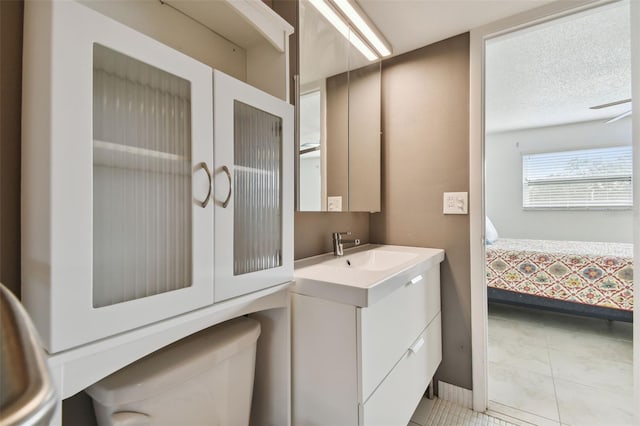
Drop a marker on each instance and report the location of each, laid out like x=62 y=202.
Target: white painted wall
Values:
x=504 y=184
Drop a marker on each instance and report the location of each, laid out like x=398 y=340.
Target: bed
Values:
x=584 y=278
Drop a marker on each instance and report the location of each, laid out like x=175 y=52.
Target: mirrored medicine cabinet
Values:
x=339 y=120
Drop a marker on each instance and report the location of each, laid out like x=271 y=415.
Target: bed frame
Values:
x=507 y=297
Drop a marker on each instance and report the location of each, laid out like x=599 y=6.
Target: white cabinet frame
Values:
x=57 y=175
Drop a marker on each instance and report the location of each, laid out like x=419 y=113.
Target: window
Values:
x=587 y=178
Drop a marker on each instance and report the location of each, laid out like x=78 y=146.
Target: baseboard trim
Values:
x=455 y=394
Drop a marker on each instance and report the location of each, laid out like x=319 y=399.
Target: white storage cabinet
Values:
x=254 y=188
x=370 y=365
x=117 y=179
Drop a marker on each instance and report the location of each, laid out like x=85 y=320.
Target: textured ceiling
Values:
x=552 y=73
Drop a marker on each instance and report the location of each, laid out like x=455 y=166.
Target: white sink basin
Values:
x=363 y=275
x=372 y=260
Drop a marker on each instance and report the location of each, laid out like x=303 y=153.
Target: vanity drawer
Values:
x=390 y=326
x=396 y=398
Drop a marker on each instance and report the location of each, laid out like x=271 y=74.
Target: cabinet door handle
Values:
x=417 y=345
x=225 y=203
x=416 y=279
x=208 y=172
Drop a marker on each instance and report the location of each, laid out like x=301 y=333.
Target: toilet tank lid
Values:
x=176 y=363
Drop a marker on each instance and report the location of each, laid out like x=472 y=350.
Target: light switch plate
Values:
x=455 y=203
x=334 y=204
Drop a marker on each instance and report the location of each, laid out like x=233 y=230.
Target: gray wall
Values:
x=425 y=123
x=364 y=138
x=11 y=13
x=313 y=230
x=353 y=138
x=337 y=145
x=504 y=184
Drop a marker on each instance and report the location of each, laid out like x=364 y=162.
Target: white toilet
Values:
x=204 y=379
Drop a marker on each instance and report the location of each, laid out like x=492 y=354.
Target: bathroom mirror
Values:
x=339 y=120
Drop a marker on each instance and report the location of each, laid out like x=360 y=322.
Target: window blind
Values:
x=587 y=178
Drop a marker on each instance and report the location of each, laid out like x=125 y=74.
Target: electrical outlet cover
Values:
x=455 y=203
x=334 y=204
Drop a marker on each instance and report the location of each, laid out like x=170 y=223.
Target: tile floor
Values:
x=438 y=412
x=554 y=369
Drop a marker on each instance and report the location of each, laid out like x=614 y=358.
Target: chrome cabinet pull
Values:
x=416 y=279
x=208 y=172
x=417 y=345
x=225 y=203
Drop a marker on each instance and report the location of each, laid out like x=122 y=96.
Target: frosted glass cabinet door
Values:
x=130 y=146
x=254 y=188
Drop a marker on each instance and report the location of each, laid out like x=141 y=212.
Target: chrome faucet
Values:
x=338 y=249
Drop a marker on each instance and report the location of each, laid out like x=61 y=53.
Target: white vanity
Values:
x=366 y=335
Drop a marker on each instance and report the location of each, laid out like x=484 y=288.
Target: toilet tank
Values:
x=204 y=379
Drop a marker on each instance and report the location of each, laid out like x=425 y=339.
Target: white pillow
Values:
x=491 y=233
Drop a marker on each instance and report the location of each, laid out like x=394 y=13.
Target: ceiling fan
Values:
x=610 y=104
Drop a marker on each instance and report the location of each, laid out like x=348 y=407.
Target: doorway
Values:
x=522 y=145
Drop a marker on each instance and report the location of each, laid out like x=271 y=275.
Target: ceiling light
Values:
x=343 y=28
x=361 y=24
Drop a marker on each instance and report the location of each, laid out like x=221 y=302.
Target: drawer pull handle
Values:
x=225 y=203
x=417 y=345
x=416 y=279
x=208 y=172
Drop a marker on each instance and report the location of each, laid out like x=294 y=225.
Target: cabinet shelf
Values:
x=243 y=22
x=110 y=154
x=254 y=171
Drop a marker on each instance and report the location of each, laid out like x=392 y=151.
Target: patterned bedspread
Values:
x=599 y=274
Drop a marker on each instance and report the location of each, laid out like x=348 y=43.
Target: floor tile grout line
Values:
x=555 y=389
x=547 y=347
x=553 y=379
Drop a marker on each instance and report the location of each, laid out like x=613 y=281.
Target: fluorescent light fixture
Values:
x=363 y=27
x=361 y=46
x=343 y=28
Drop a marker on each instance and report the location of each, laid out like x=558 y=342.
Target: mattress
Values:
x=598 y=274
